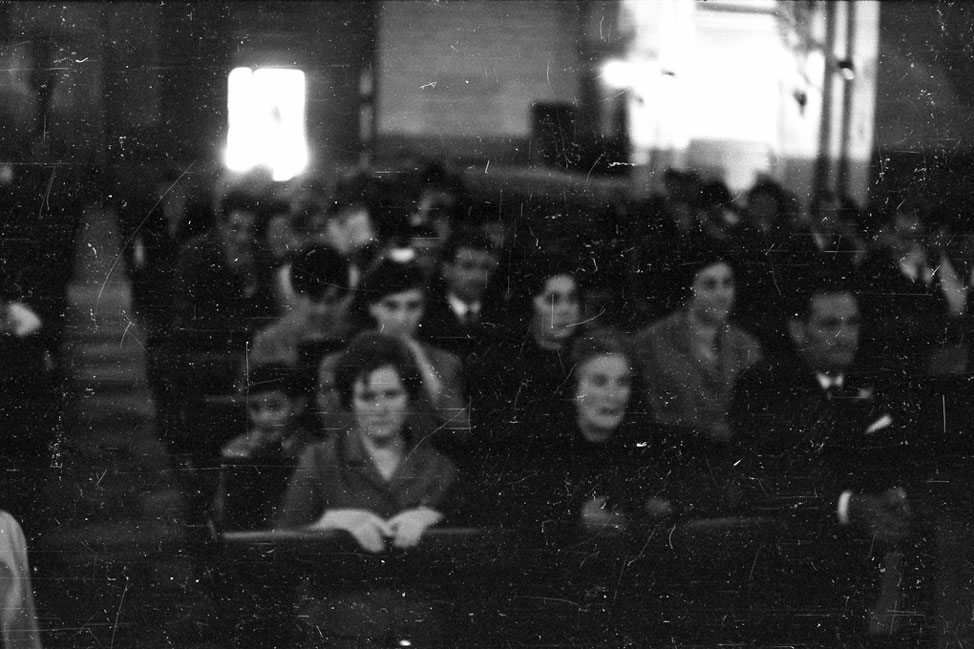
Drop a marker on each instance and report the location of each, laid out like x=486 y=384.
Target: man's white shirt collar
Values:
x=460 y=307
x=827 y=381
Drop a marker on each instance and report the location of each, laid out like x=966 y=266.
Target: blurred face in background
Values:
x=323 y=311
x=399 y=314
x=469 y=274
x=712 y=294
x=350 y=230
x=602 y=396
x=557 y=311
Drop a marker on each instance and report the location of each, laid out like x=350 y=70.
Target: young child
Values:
x=257 y=465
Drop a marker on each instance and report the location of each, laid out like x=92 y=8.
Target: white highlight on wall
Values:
x=266 y=108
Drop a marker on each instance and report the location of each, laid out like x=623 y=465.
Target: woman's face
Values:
x=602 y=396
x=399 y=314
x=380 y=404
x=557 y=310
x=712 y=293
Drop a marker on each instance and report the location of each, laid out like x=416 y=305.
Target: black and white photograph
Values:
x=487 y=324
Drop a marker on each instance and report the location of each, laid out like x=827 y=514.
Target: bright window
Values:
x=266 y=112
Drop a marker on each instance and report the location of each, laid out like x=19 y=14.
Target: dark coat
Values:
x=442 y=328
x=902 y=320
x=801 y=448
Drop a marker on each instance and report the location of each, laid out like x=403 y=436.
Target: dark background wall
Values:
x=125 y=87
x=116 y=90
x=925 y=102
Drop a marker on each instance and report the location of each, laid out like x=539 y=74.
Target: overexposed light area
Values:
x=266 y=127
x=618 y=74
x=737 y=73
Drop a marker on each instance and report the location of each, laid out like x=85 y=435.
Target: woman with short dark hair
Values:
x=691 y=359
x=379 y=483
x=374 y=480
x=522 y=379
x=391 y=299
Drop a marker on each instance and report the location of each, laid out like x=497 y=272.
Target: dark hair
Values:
x=387 y=277
x=528 y=279
x=316 y=270
x=238 y=199
x=273 y=377
x=771 y=188
x=537 y=267
x=354 y=189
x=713 y=194
x=600 y=342
x=694 y=257
x=368 y=352
x=827 y=281
x=474 y=239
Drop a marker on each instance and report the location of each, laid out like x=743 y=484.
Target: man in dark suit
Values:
x=461 y=317
x=824 y=451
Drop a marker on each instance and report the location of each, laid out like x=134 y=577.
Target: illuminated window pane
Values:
x=266 y=114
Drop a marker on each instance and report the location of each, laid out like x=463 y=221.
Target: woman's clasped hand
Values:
x=371 y=532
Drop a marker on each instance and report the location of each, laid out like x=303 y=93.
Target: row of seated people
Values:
x=913 y=299
x=914 y=263
x=812 y=441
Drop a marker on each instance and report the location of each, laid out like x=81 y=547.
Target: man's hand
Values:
x=369 y=530
x=407 y=527
x=596 y=514
x=887 y=516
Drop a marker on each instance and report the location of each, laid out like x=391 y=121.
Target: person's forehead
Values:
x=716 y=269
x=559 y=284
x=381 y=377
x=475 y=255
x=833 y=305
x=606 y=363
x=267 y=396
x=411 y=295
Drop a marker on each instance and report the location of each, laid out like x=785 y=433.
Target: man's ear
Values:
x=796 y=331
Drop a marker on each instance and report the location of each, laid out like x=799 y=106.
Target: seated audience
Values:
x=258 y=464
x=461 y=318
x=375 y=481
x=909 y=293
x=692 y=358
x=379 y=482
x=765 y=248
x=524 y=377
x=823 y=448
x=391 y=299
x=317 y=324
x=602 y=460
x=221 y=300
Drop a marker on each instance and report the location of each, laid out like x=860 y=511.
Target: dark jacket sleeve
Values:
x=303 y=502
x=779 y=472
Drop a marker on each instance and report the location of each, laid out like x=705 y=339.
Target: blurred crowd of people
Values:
x=408 y=356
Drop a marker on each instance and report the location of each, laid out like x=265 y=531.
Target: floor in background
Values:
x=110 y=551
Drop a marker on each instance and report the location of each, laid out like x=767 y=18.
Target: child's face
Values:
x=274 y=413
